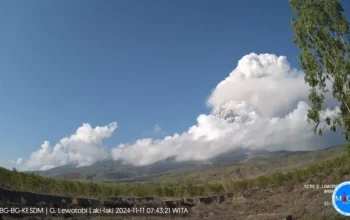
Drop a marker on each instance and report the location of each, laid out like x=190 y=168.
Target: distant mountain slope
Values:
x=259 y=163
x=115 y=171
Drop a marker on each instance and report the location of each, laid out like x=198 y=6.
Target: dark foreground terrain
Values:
x=282 y=193
x=288 y=201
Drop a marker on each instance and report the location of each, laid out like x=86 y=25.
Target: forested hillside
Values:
x=35 y=183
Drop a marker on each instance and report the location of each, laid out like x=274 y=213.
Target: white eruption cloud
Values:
x=262 y=104
x=82 y=148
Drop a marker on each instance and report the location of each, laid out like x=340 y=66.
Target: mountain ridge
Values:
x=110 y=170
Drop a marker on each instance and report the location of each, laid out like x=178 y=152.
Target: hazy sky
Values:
x=154 y=68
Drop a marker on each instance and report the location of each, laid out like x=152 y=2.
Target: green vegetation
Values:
x=322 y=32
x=258 y=166
x=34 y=183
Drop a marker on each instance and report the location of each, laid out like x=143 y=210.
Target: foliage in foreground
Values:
x=322 y=33
x=35 y=183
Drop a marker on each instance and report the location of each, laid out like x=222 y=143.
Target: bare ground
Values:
x=273 y=203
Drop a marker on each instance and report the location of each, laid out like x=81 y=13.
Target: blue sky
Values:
x=140 y=63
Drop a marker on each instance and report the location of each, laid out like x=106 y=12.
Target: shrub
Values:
x=34 y=183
